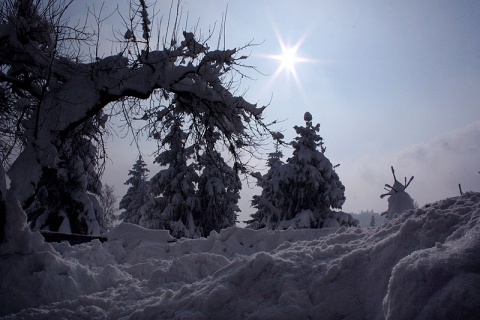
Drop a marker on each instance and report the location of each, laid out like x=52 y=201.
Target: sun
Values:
x=288 y=59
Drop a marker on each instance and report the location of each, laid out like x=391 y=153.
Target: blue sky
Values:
x=391 y=83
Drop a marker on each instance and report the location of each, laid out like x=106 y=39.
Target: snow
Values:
x=398 y=203
x=19 y=239
x=424 y=264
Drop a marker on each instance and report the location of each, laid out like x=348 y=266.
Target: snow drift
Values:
x=425 y=264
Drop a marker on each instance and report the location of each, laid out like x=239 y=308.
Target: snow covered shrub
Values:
x=138 y=194
x=399 y=200
x=301 y=193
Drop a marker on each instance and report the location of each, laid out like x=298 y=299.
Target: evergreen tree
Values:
x=218 y=190
x=315 y=184
x=108 y=199
x=307 y=187
x=270 y=202
x=137 y=194
x=67 y=197
x=372 y=222
x=175 y=204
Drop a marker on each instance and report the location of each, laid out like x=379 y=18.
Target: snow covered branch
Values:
x=67 y=93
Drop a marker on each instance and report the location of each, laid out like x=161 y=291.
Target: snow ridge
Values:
x=423 y=264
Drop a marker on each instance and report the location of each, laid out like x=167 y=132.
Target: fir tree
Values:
x=138 y=193
x=306 y=187
x=108 y=199
x=372 y=222
x=270 y=202
x=315 y=184
x=218 y=190
x=175 y=204
x=67 y=197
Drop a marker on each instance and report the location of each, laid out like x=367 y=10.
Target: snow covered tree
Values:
x=309 y=187
x=108 y=200
x=57 y=91
x=399 y=200
x=174 y=205
x=11 y=107
x=138 y=194
x=315 y=184
x=271 y=200
x=67 y=195
x=372 y=221
x=218 y=190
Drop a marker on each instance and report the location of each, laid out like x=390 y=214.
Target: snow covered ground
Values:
x=423 y=265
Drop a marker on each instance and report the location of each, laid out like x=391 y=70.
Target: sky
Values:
x=392 y=83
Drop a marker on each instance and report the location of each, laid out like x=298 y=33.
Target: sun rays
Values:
x=288 y=58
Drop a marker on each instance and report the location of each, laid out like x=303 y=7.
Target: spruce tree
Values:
x=314 y=183
x=270 y=202
x=138 y=194
x=108 y=200
x=306 y=188
x=218 y=190
x=372 y=221
x=67 y=197
x=175 y=204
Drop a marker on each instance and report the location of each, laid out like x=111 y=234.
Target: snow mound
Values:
x=424 y=264
x=132 y=235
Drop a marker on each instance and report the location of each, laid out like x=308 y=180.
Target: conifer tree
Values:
x=109 y=199
x=174 y=206
x=218 y=190
x=270 y=202
x=67 y=197
x=307 y=187
x=138 y=194
x=372 y=221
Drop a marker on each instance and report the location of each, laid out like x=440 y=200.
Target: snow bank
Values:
x=18 y=236
x=424 y=264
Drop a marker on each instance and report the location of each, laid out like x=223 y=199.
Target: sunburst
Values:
x=288 y=59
